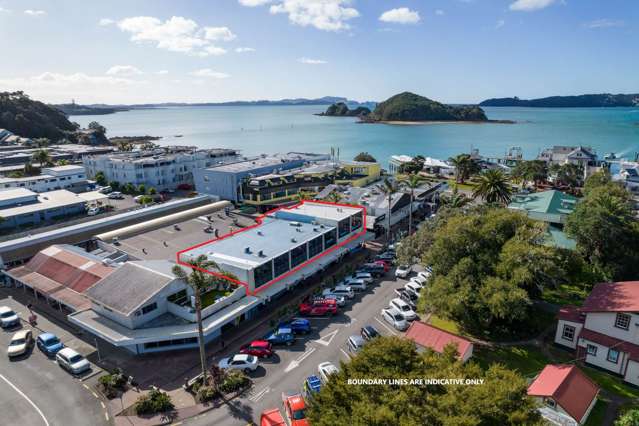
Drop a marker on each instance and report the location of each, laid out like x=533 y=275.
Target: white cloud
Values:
x=402 y=15
x=104 y=22
x=177 y=34
x=244 y=49
x=310 y=61
x=3 y=10
x=326 y=15
x=439 y=12
x=218 y=33
x=604 y=23
x=123 y=70
x=253 y=3
x=530 y=5
x=31 y=12
x=162 y=72
x=207 y=72
x=500 y=24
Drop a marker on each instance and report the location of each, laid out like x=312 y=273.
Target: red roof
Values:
x=610 y=342
x=571 y=313
x=435 y=338
x=568 y=386
x=613 y=297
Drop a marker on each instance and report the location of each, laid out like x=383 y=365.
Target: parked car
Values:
x=340 y=291
x=294 y=406
x=368 y=332
x=355 y=284
x=20 y=343
x=281 y=336
x=355 y=343
x=92 y=211
x=366 y=276
x=298 y=325
x=8 y=318
x=258 y=348
x=407 y=297
x=105 y=189
x=244 y=362
x=404 y=308
x=49 y=343
x=318 y=308
x=422 y=277
x=394 y=318
x=72 y=361
x=385 y=264
x=375 y=269
x=116 y=195
x=325 y=370
x=403 y=271
x=413 y=288
x=339 y=299
x=386 y=257
x=312 y=385
x=272 y=417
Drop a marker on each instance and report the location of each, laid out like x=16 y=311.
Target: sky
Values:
x=454 y=51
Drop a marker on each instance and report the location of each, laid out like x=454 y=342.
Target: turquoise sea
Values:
x=271 y=129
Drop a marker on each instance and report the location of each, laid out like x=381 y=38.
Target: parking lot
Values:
x=288 y=368
x=34 y=390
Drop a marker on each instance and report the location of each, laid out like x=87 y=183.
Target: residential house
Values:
x=396 y=161
x=427 y=336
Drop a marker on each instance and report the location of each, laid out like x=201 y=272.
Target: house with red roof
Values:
x=565 y=393
x=605 y=330
x=427 y=336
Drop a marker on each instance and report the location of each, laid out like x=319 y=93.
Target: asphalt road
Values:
x=35 y=391
x=290 y=366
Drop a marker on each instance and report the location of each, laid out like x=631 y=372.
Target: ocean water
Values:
x=271 y=129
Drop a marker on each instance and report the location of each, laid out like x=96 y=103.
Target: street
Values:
x=291 y=365
x=34 y=390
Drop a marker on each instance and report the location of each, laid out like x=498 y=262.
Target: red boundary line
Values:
x=259 y=221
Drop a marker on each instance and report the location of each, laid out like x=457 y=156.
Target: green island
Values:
x=601 y=100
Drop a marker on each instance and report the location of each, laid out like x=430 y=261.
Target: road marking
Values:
x=83 y=384
x=95 y=394
x=260 y=394
x=296 y=363
x=345 y=353
x=385 y=326
x=46 y=422
x=106 y=416
x=351 y=322
x=330 y=336
x=102 y=404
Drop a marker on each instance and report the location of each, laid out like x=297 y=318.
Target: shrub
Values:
x=111 y=383
x=154 y=402
x=205 y=393
x=234 y=381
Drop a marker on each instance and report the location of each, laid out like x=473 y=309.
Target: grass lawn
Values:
x=597 y=414
x=611 y=383
x=528 y=360
x=461 y=186
x=565 y=294
x=211 y=296
x=444 y=324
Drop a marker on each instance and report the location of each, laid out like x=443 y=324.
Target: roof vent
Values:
x=295 y=224
x=322 y=226
x=261 y=253
x=247 y=250
x=260 y=233
x=315 y=229
x=293 y=240
x=298 y=230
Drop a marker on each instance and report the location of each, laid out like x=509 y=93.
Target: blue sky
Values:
x=217 y=50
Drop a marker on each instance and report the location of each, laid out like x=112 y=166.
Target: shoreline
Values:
x=423 y=123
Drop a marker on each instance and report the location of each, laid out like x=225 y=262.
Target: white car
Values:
x=367 y=277
x=404 y=308
x=394 y=318
x=325 y=370
x=116 y=195
x=355 y=284
x=341 y=291
x=20 y=343
x=8 y=318
x=72 y=361
x=403 y=271
x=242 y=362
x=105 y=189
x=92 y=211
x=338 y=298
x=422 y=277
x=413 y=287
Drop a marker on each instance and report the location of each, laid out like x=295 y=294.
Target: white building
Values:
x=165 y=168
x=70 y=177
x=605 y=330
x=396 y=162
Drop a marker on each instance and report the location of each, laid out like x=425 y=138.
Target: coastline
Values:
x=423 y=123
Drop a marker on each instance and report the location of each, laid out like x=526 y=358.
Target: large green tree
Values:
x=493 y=187
x=365 y=157
x=500 y=400
x=465 y=167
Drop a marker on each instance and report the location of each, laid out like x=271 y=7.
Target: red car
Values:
x=384 y=263
x=258 y=348
x=294 y=406
x=319 y=307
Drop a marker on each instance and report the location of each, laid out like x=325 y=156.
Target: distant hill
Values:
x=411 y=107
x=33 y=119
x=75 y=109
x=579 y=101
x=340 y=109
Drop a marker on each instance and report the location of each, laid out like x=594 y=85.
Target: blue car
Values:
x=281 y=336
x=312 y=385
x=49 y=343
x=298 y=326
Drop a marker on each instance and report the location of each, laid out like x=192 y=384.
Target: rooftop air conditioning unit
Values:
x=293 y=240
x=247 y=250
x=295 y=224
x=261 y=253
x=260 y=233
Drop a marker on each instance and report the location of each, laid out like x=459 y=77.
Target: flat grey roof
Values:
x=250 y=164
x=324 y=211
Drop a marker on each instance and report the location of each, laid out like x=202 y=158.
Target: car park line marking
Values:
x=296 y=363
x=385 y=326
x=46 y=422
x=83 y=384
x=345 y=353
x=330 y=336
x=260 y=394
x=106 y=416
x=102 y=404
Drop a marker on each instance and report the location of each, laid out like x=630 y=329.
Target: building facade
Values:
x=396 y=161
x=71 y=177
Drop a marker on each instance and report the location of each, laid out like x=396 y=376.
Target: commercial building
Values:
x=70 y=177
x=21 y=152
x=162 y=168
x=143 y=307
x=225 y=181
x=358 y=173
x=396 y=162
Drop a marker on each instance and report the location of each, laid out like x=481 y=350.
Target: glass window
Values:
x=148 y=308
x=280 y=265
x=622 y=321
x=330 y=238
x=315 y=246
x=263 y=274
x=591 y=350
x=613 y=355
x=344 y=227
x=569 y=332
x=298 y=255
x=356 y=221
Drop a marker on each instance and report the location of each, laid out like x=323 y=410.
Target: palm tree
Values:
x=493 y=187
x=465 y=167
x=412 y=182
x=200 y=281
x=455 y=200
x=42 y=156
x=390 y=188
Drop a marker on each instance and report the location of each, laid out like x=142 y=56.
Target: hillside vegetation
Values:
x=340 y=109
x=411 y=107
x=580 y=101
